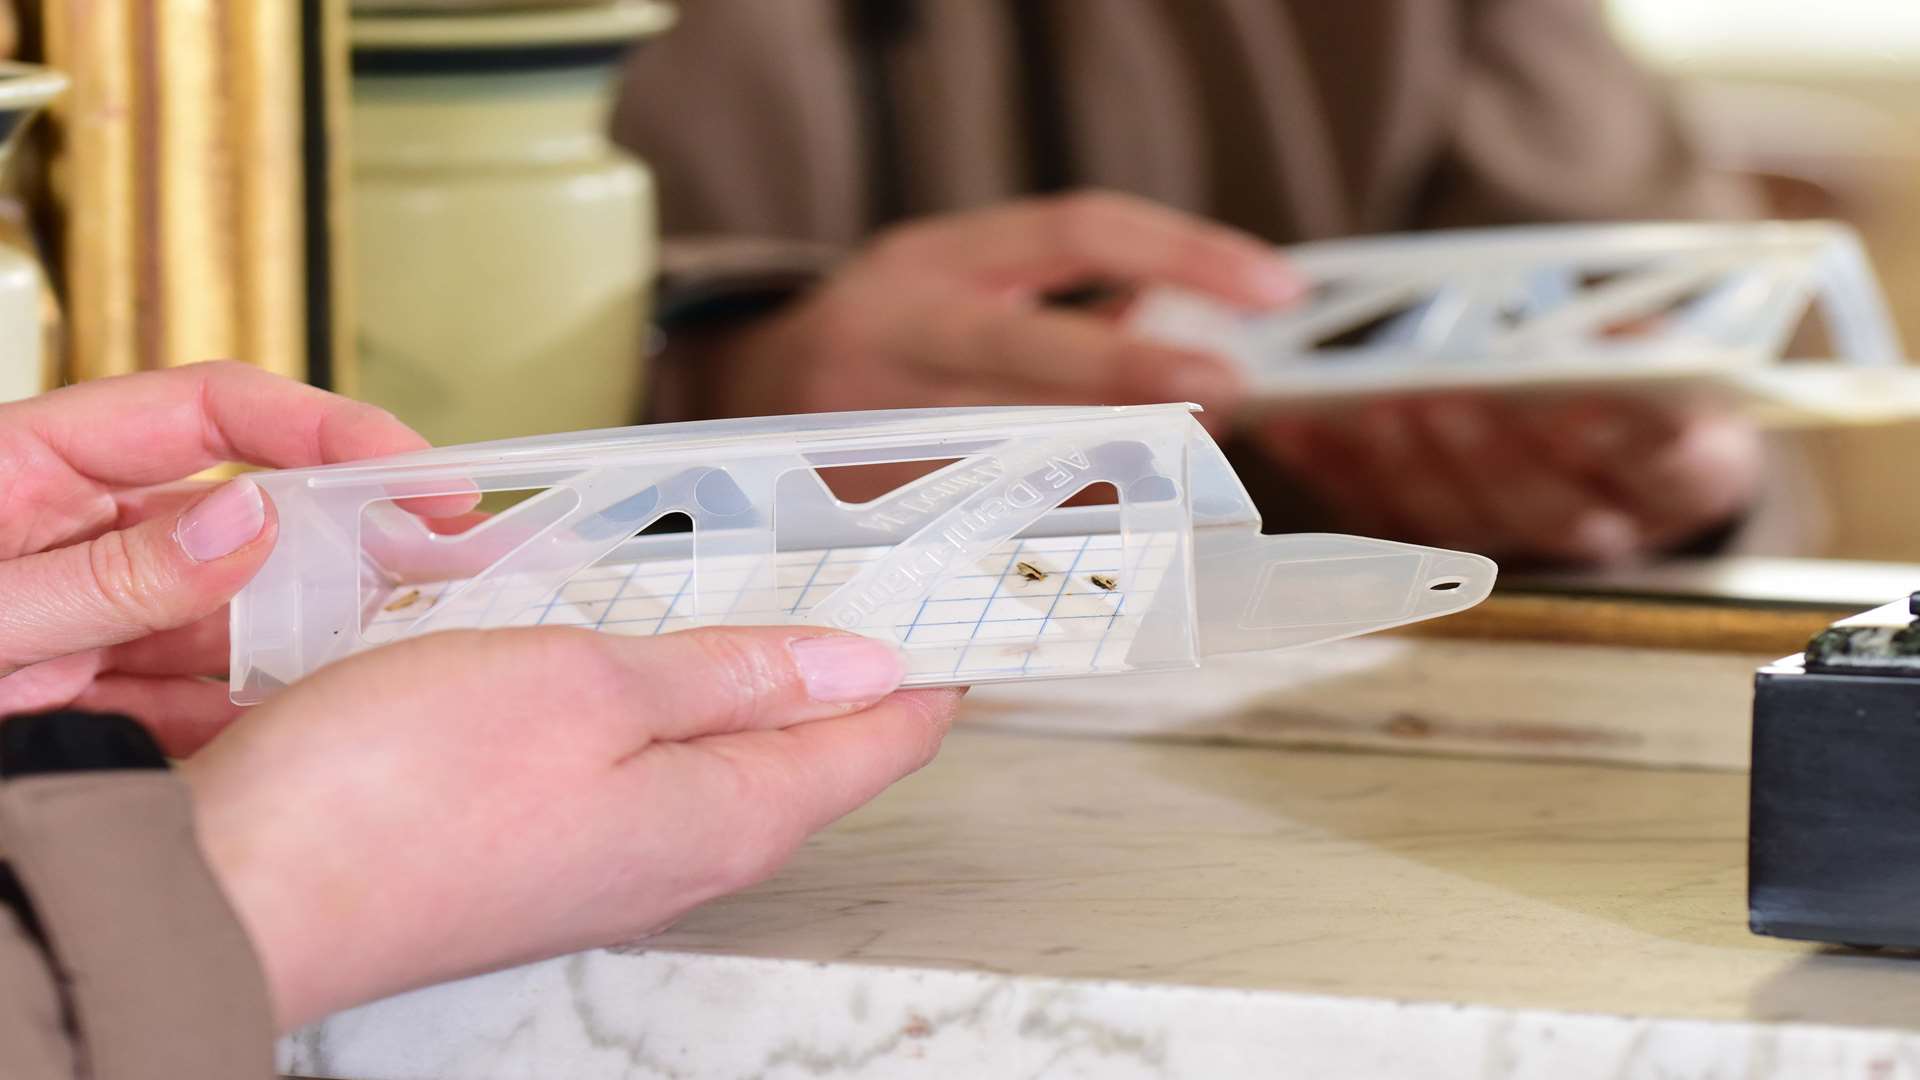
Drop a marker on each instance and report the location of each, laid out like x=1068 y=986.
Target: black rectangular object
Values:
x=1834 y=831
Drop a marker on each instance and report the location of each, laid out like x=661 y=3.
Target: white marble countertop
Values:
x=1045 y=905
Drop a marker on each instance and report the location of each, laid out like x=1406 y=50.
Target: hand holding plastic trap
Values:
x=1670 y=311
x=976 y=570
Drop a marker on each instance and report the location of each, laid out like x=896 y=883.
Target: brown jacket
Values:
x=818 y=120
x=119 y=956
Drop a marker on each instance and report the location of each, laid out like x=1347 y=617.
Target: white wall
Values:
x=1880 y=37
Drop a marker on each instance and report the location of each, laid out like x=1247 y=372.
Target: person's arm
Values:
x=429 y=809
x=745 y=116
x=36 y=1042
x=709 y=289
x=414 y=814
x=119 y=955
x=965 y=309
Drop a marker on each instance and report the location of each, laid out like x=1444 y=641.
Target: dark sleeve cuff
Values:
x=708 y=282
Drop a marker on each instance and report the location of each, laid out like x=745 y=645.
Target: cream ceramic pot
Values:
x=25 y=361
x=504 y=248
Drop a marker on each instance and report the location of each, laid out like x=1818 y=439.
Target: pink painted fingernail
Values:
x=847 y=669
x=223 y=522
x=1204 y=384
x=1606 y=536
x=1278 y=283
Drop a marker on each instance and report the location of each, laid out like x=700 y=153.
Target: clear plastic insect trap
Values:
x=978 y=569
x=1672 y=311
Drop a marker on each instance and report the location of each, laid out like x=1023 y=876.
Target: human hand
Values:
x=1584 y=481
x=114 y=578
x=470 y=800
x=952 y=311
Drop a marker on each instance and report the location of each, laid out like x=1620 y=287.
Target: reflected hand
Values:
x=952 y=311
x=1584 y=481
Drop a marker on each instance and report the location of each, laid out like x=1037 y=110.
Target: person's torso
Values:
x=823 y=119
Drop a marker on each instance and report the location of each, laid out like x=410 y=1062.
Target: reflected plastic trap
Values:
x=1669 y=311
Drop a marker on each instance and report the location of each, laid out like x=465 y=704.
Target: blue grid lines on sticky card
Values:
x=1004 y=624
x=989 y=621
x=1027 y=661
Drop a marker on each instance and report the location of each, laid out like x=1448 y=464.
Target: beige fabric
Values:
x=34 y=1042
x=157 y=977
x=1296 y=119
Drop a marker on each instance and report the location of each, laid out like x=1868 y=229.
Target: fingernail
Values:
x=1606 y=536
x=1461 y=424
x=1276 y=282
x=844 y=669
x=223 y=522
x=1204 y=384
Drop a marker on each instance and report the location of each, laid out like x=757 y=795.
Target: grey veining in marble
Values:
x=1040 y=906
x=662 y=1016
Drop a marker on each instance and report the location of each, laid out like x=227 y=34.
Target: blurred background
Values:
x=1821 y=102
x=234 y=178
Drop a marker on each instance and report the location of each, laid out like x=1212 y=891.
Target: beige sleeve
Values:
x=141 y=968
x=35 y=1041
x=710 y=288
x=1553 y=121
x=746 y=116
x=696 y=270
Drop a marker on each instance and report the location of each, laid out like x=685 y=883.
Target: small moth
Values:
x=404 y=601
x=1029 y=571
x=1105 y=581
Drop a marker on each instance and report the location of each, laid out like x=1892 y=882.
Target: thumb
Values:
x=724 y=679
x=162 y=573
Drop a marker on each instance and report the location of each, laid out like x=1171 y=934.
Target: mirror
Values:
x=1818 y=108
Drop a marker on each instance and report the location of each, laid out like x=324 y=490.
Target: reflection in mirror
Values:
x=1817 y=109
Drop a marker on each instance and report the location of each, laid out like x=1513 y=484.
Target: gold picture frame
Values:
x=198 y=166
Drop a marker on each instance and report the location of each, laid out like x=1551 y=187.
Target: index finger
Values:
x=1041 y=356
x=1054 y=242
x=158 y=426
x=1598 y=432
x=1680 y=471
